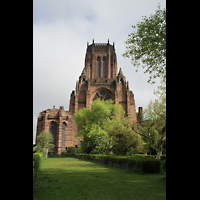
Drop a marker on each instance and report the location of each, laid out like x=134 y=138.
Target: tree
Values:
x=90 y=124
x=45 y=140
x=123 y=136
x=34 y=147
x=148 y=142
x=127 y=140
x=155 y=120
x=147 y=45
x=101 y=126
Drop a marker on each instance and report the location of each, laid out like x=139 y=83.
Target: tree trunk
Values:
x=161 y=142
x=108 y=150
x=145 y=152
x=159 y=150
x=150 y=148
x=159 y=154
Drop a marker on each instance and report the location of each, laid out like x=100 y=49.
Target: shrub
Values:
x=63 y=153
x=149 y=165
x=163 y=157
x=119 y=159
x=142 y=156
x=37 y=160
x=71 y=151
x=131 y=161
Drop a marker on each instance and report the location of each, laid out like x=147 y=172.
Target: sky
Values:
x=61 y=30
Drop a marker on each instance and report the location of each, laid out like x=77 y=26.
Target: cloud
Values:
x=61 y=30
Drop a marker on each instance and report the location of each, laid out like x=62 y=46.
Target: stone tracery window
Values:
x=103 y=95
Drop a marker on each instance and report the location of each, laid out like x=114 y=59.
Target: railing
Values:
x=100 y=44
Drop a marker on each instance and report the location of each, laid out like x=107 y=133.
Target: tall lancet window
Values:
x=98 y=66
x=104 y=66
x=53 y=130
x=63 y=134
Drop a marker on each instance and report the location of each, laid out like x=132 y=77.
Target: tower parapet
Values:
x=100 y=61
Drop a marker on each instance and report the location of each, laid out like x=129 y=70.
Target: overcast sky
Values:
x=61 y=30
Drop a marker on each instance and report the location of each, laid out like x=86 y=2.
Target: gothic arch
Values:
x=53 y=130
x=64 y=125
x=102 y=93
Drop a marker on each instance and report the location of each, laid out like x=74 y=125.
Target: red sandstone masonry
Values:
x=86 y=88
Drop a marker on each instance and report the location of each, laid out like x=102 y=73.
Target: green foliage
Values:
x=163 y=157
x=34 y=148
x=71 y=150
x=90 y=124
x=149 y=165
x=104 y=127
x=37 y=160
x=45 y=140
x=153 y=127
x=147 y=45
x=127 y=141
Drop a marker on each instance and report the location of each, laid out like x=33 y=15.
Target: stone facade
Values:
x=99 y=79
x=61 y=124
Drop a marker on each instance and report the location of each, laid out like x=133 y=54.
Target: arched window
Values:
x=104 y=66
x=98 y=66
x=63 y=134
x=103 y=95
x=53 y=130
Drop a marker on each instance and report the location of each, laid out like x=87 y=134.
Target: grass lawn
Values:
x=74 y=179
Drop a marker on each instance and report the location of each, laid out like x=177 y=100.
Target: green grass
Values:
x=75 y=179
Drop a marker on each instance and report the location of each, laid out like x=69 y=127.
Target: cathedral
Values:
x=99 y=79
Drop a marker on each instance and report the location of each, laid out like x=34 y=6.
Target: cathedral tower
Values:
x=99 y=79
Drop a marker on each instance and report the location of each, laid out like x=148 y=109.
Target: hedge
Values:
x=37 y=160
x=71 y=150
x=147 y=163
x=163 y=157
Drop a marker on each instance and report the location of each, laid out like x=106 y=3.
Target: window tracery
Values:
x=102 y=94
